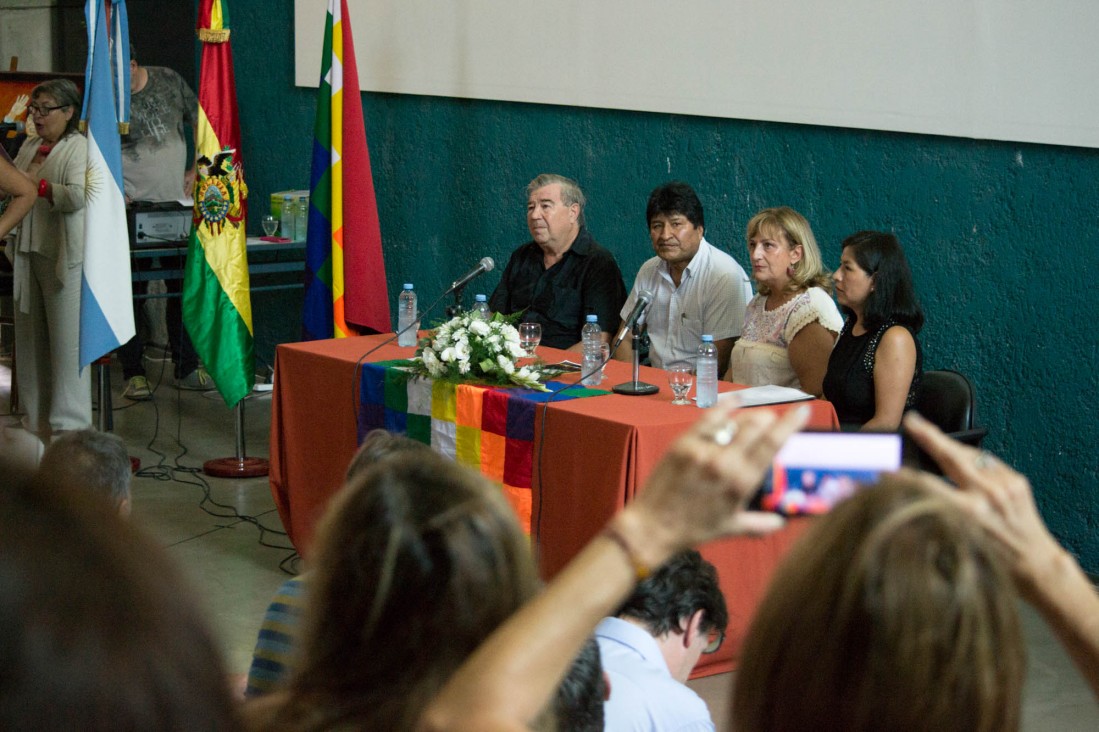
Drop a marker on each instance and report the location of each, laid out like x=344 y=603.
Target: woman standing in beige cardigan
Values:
x=48 y=254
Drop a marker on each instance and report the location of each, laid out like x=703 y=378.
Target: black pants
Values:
x=131 y=353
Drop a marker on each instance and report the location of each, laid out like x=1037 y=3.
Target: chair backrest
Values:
x=947 y=399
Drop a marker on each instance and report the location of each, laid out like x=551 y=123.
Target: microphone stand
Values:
x=455 y=308
x=635 y=387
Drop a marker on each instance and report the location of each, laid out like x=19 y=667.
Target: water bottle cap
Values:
x=707 y=339
x=288 y=197
x=593 y=318
x=408 y=285
x=480 y=298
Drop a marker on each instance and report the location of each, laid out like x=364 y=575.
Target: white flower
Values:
x=463 y=367
x=511 y=334
x=515 y=350
x=487 y=366
x=505 y=364
x=461 y=350
x=447 y=355
x=433 y=366
x=479 y=327
x=459 y=334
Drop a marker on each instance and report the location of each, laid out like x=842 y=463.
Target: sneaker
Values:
x=137 y=389
x=197 y=380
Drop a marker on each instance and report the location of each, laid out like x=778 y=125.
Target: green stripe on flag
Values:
x=220 y=336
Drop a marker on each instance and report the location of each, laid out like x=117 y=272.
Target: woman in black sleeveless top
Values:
x=874 y=370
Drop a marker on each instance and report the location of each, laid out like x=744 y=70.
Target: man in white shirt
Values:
x=650 y=648
x=697 y=288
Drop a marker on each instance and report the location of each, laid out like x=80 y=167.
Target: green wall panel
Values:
x=1002 y=236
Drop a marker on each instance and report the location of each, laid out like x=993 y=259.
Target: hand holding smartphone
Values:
x=816 y=470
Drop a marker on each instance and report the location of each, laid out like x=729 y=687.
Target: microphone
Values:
x=485 y=265
x=644 y=299
x=6 y=127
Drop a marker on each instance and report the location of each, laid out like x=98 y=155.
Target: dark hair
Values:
x=685 y=584
x=882 y=605
x=379 y=444
x=99 y=630
x=880 y=255
x=578 y=704
x=65 y=93
x=89 y=460
x=675 y=198
x=418 y=560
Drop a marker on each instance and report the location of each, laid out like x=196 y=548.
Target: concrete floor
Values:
x=235 y=575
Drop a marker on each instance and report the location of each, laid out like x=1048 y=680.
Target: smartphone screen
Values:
x=816 y=470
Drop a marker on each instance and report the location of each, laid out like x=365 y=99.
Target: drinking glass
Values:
x=680 y=379
x=270 y=225
x=530 y=335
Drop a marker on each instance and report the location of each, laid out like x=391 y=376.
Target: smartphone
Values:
x=816 y=470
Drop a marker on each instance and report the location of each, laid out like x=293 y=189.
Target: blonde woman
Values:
x=792 y=324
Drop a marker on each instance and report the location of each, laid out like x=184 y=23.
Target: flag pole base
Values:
x=234 y=467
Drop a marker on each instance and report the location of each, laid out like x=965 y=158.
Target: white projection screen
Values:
x=987 y=69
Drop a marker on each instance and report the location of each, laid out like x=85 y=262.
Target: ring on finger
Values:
x=723 y=435
x=984 y=460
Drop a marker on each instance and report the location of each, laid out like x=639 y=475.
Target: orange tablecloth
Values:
x=596 y=454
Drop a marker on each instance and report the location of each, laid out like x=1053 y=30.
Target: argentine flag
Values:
x=106 y=300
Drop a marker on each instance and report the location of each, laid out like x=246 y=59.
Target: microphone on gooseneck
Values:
x=644 y=299
x=485 y=265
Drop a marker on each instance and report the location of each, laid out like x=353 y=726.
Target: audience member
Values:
x=578 y=704
x=276 y=644
x=155 y=169
x=874 y=370
x=417 y=561
x=562 y=275
x=100 y=632
x=650 y=648
x=48 y=251
x=696 y=287
x=894 y=607
x=93 y=461
x=792 y=323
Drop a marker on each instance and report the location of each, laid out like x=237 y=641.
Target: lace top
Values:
x=760 y=356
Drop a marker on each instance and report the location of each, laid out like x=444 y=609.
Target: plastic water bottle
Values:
x=302 y=218
x=406 y=316
x=706 y=373
x=592 y=339
x=288 y=218
x=480 y=308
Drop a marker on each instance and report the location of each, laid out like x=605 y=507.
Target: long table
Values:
x=595 y=456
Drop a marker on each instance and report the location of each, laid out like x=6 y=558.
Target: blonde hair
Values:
x=893 y=611
x=810 y=271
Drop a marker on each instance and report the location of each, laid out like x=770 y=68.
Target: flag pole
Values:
x=238 y=466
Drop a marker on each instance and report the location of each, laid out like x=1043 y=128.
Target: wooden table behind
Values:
x=596 y=454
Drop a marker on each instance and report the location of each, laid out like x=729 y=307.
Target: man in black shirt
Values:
x=563 y=274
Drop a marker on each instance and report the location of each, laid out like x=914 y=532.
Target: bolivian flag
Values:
x=217 y=308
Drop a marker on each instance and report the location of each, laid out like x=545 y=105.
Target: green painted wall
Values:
x=1002 y=237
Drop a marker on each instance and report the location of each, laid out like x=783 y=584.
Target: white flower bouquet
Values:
x=467 y=349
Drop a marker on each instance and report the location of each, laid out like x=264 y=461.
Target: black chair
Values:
x=947 y=399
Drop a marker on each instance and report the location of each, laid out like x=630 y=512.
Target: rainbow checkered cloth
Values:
x=485 y=427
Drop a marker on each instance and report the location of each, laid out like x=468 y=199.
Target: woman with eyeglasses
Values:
x=47 y=256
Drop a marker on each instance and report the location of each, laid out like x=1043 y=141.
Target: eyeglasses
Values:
x=714 y=639
x=39 y=111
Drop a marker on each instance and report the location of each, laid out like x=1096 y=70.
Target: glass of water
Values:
x=680 y=379
x=530 y=335
x=270 y=225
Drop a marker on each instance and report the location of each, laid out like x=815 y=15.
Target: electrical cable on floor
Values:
x=162 y=471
